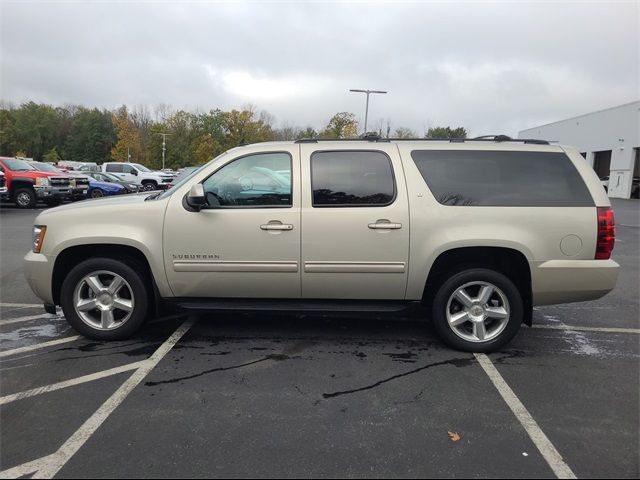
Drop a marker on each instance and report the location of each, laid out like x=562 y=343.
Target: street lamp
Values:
x=366 y=112
x=164 y=144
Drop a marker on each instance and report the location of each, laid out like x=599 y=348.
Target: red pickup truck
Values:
x=25 y=185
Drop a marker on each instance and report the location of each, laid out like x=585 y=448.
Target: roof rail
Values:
x=372 y=138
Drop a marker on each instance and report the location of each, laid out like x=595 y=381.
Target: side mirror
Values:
x=134 y=172
x=195 y=197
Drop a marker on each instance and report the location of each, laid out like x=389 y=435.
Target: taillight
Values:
x=606 y=233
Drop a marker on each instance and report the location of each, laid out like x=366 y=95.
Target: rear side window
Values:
x=114 y=168
x=491 y=178
x=351 y=179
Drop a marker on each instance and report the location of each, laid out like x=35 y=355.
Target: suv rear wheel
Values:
x=149 y=186
x=105 y=299
x=477 y=310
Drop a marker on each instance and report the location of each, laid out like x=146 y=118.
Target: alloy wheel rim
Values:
x=23 y=199
x=478 y=312
x=103 y=300
x=96 y=194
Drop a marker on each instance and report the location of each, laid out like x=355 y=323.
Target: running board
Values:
x=292 y=305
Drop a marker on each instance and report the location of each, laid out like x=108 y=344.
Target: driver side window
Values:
x=260 y=180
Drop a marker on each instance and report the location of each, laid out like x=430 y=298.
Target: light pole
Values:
x=366 y=112
x=164 y=144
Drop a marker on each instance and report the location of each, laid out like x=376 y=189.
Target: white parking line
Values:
x=541 y=441
x=26 y=468
x=70 y=383
x=21 y=305
x=588 y=329
x=28 y=318
x=38 y=346
x=52 y=464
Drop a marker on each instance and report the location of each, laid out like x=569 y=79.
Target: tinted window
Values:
x=128 y=169
x=251 y=181
x=349 y=178
x=114 y=167
x=486 y=178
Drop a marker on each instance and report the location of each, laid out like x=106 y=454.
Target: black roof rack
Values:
x=375 y=138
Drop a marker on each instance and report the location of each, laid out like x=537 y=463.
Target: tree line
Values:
x=48 y=133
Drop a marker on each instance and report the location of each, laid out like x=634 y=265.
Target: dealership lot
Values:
x=310 y=395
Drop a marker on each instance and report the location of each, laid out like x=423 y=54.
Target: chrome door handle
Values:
x=385 y=225
x=276 y=226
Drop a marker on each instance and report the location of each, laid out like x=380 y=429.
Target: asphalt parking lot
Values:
x=256 y=395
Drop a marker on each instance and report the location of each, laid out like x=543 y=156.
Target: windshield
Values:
x=142 y=168
x=109 y=177
x=45 y=167
x=16 y=165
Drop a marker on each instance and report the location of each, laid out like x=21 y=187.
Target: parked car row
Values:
x=26 y=182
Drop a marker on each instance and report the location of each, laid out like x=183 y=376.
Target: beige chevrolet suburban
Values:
x=477 y=231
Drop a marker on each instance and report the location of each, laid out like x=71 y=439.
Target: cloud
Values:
x=491 y=67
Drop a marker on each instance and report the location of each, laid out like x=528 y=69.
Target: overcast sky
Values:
x=490 y=67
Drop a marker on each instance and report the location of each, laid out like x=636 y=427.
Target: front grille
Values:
x=59 y=181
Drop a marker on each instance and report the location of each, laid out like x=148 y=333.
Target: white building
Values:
x=609 y=139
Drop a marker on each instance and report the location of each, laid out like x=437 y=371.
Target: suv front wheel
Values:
x=105 y=299
x=477 y=310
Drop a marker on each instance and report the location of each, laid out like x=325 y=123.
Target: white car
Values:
x=136 y=173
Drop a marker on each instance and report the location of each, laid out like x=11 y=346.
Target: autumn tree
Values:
x=341 y=125
x=244 y=126
x=128 y=142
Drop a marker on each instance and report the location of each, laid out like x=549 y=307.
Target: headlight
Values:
x=38 y=237
x=42 y=182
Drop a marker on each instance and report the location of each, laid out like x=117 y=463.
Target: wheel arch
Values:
x=73 y=255
x=508 y=261
x=20 y=183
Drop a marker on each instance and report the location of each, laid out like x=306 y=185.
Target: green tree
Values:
x=51 y=156
x=446 y=132
x=341 y=125
x=91 y=136
x=307 y=133
x=7 y=133
x=403 y=132
x=35 y=129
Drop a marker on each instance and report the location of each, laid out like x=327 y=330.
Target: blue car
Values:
x=100 y=189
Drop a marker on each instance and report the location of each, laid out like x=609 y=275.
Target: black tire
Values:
x=25 y=197
x=149 y=186
x=440 y=307
x=96 y=193
x=131 y=272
